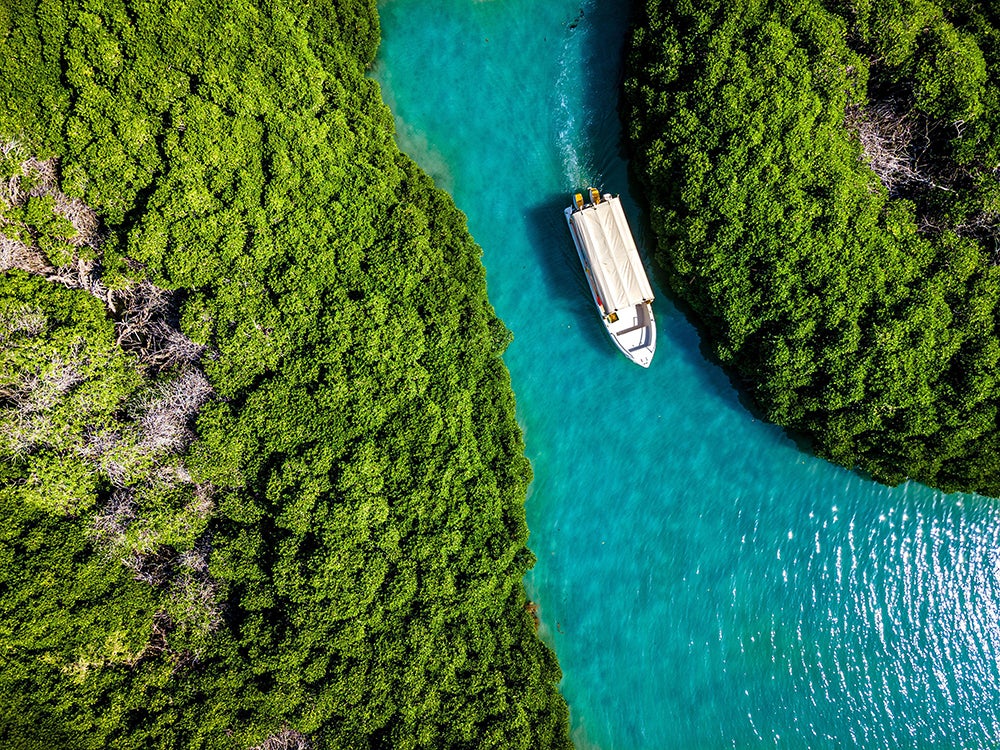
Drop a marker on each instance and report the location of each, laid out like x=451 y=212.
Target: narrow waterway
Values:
x=703 y=582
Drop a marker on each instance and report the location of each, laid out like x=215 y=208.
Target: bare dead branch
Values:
x=286 y=739
x=19 y=433
x=112 y=522
x=23 y=320
x=169 y=347
x=135 y=309
x=36 y=393
x=902 y=148
x=196 y=558
x=146 y=326
x=11 y=146
x=84 y=219
x=116 y=471
x=78 y=273
x=885 y=135
x=155 y=568
x=895 y=141
x=143 y=447
x=145 y=314
x=203 y=502
x=17 y=255
x=173 y=475
x=44 y=175
x=162 y=625
x=195 y=598
x=97 y=444
x=165 y=413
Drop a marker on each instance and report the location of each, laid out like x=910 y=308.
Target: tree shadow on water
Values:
x=679 y=327
x=560 y=267
x=606 y=26
x=679 y=331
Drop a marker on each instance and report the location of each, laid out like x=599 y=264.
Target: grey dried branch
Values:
x=145 y=313
x=25 y=320
x=286 y=739
x=63 y=376
x=39 y=391
x=11 y=146
x=184 y=660
x=165 y=413
x=155 y=568
x=112 y=521
x=195 y=595
x=164 y=346
x=196 y=559
x=894 y=141
x=983 y=227
x=116 y=471
x=173 y=475
x=203 y=502
x=136 y=308
x=162 y=625
x=97 y=444
x=78 y=273
x=18 y=433
x=84 y=219
x=17 y=255
x=145 y=326
x=43 y=174
x=885 y=134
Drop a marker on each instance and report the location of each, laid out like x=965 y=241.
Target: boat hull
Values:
x=632 y=330
x=634 y=333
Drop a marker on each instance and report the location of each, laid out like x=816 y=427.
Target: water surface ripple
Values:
x=704 y=583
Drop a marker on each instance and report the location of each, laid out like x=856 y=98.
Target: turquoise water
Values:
x=703 y=582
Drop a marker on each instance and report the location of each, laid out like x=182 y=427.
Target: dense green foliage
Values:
x=823 y=186
x=368 y=537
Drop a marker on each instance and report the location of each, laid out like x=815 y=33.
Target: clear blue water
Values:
x=703 y=582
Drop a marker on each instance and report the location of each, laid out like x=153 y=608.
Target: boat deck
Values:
x=615 y=274
x=635 y=333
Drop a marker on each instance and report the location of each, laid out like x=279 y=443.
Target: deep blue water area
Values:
x=704 y=583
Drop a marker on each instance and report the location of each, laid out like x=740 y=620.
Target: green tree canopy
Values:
x=366 y=532
x=822 y=185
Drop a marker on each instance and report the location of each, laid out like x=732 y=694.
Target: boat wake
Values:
x=573 y=110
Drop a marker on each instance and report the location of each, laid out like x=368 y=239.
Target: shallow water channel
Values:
x=703 y=582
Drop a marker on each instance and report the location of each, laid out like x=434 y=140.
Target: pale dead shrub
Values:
x=286 y=739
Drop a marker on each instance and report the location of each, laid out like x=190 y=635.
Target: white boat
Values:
x=615 y=273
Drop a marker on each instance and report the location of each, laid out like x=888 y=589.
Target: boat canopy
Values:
x=614 y=260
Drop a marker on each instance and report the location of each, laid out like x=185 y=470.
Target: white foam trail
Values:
x=570 y=97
